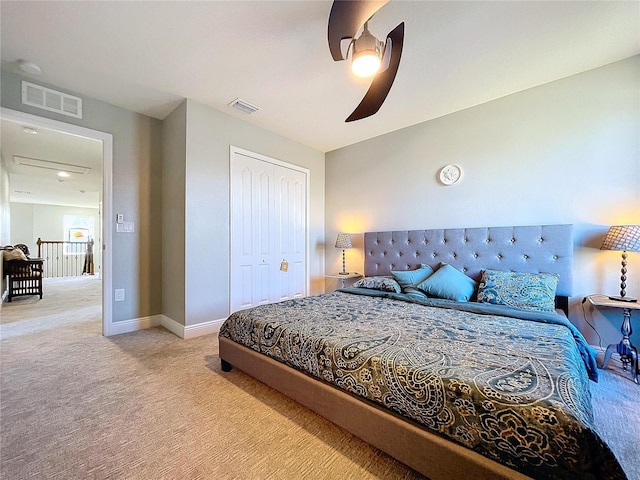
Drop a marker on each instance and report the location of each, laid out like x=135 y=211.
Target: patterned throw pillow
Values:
x=528 y=291
x=410 y=278
x=385 y=284
x=449 y=283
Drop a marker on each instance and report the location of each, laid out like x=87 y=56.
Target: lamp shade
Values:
x=622 y=238
x=343 y=241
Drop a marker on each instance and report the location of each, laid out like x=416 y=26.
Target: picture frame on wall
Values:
x=78 y=235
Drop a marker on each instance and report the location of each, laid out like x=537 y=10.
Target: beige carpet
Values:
x=148 y=405
x=616 y=409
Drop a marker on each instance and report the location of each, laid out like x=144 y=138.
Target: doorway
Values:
x=104 y=229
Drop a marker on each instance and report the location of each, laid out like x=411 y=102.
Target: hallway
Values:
x=69 y=300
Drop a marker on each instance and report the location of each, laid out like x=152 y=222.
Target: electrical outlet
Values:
x=119 y=295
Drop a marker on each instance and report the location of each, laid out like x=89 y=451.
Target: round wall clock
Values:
x=450 y=174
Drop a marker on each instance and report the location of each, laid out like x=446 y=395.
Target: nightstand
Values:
x=628 y=353
x=344 y=277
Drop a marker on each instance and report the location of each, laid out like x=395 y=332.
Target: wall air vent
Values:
x=49 y=165
x=244 y=106
x=51 y=100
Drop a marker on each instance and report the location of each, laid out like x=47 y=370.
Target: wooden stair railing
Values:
x=66 y=259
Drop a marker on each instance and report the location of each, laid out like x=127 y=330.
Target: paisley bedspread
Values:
x=514 y=390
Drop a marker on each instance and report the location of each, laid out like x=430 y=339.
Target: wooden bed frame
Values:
x=528 y=249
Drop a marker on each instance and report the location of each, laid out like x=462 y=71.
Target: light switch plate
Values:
x=119 y=295
x=120 y=218
x=125 y=227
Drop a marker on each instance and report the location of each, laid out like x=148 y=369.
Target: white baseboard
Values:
x=171 y=325
x=135 y=324
x=206 y=328
x=190 y=331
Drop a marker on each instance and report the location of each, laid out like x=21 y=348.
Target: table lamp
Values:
x=624 y=238
x=343 y=241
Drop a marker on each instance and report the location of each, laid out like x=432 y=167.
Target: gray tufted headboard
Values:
x=541 y=248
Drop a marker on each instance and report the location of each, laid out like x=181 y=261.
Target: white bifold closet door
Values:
x=268 y=231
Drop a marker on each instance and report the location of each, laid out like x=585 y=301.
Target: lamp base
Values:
x=624 y=299
x=343 y=273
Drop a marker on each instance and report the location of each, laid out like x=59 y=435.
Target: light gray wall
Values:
x=21 y=226
x=210 y=134
x=192 y=277
x=174 y=145
x=137 y=193
x=5 y=224
x=564 y=152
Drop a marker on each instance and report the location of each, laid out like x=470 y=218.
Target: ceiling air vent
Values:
x=51 y=100
x=244 y=106
x=49 y=165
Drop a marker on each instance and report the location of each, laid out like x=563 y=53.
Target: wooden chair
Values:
x=24 y=277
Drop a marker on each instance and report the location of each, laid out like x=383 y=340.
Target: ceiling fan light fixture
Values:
x=345 y=20
x=365 y=63
x=367 y=54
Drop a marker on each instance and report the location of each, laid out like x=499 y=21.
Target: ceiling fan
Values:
x=377 y=58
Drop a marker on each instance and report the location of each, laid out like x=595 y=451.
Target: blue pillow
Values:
x=410 y=278
x=528 y=291
x=449 y=283
x=384 y=284
x=414 y=293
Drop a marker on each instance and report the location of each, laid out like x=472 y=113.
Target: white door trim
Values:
x=264 y=158
x=107 y=193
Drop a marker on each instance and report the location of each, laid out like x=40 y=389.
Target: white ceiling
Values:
x=30 y=184
x=148 y=56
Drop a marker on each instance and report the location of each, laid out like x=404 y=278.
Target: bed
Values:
x=428 y=360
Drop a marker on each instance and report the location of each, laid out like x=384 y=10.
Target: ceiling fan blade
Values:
x=381 y=84
x=345 y=19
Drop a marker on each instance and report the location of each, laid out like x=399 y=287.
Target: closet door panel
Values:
x=268 y=232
